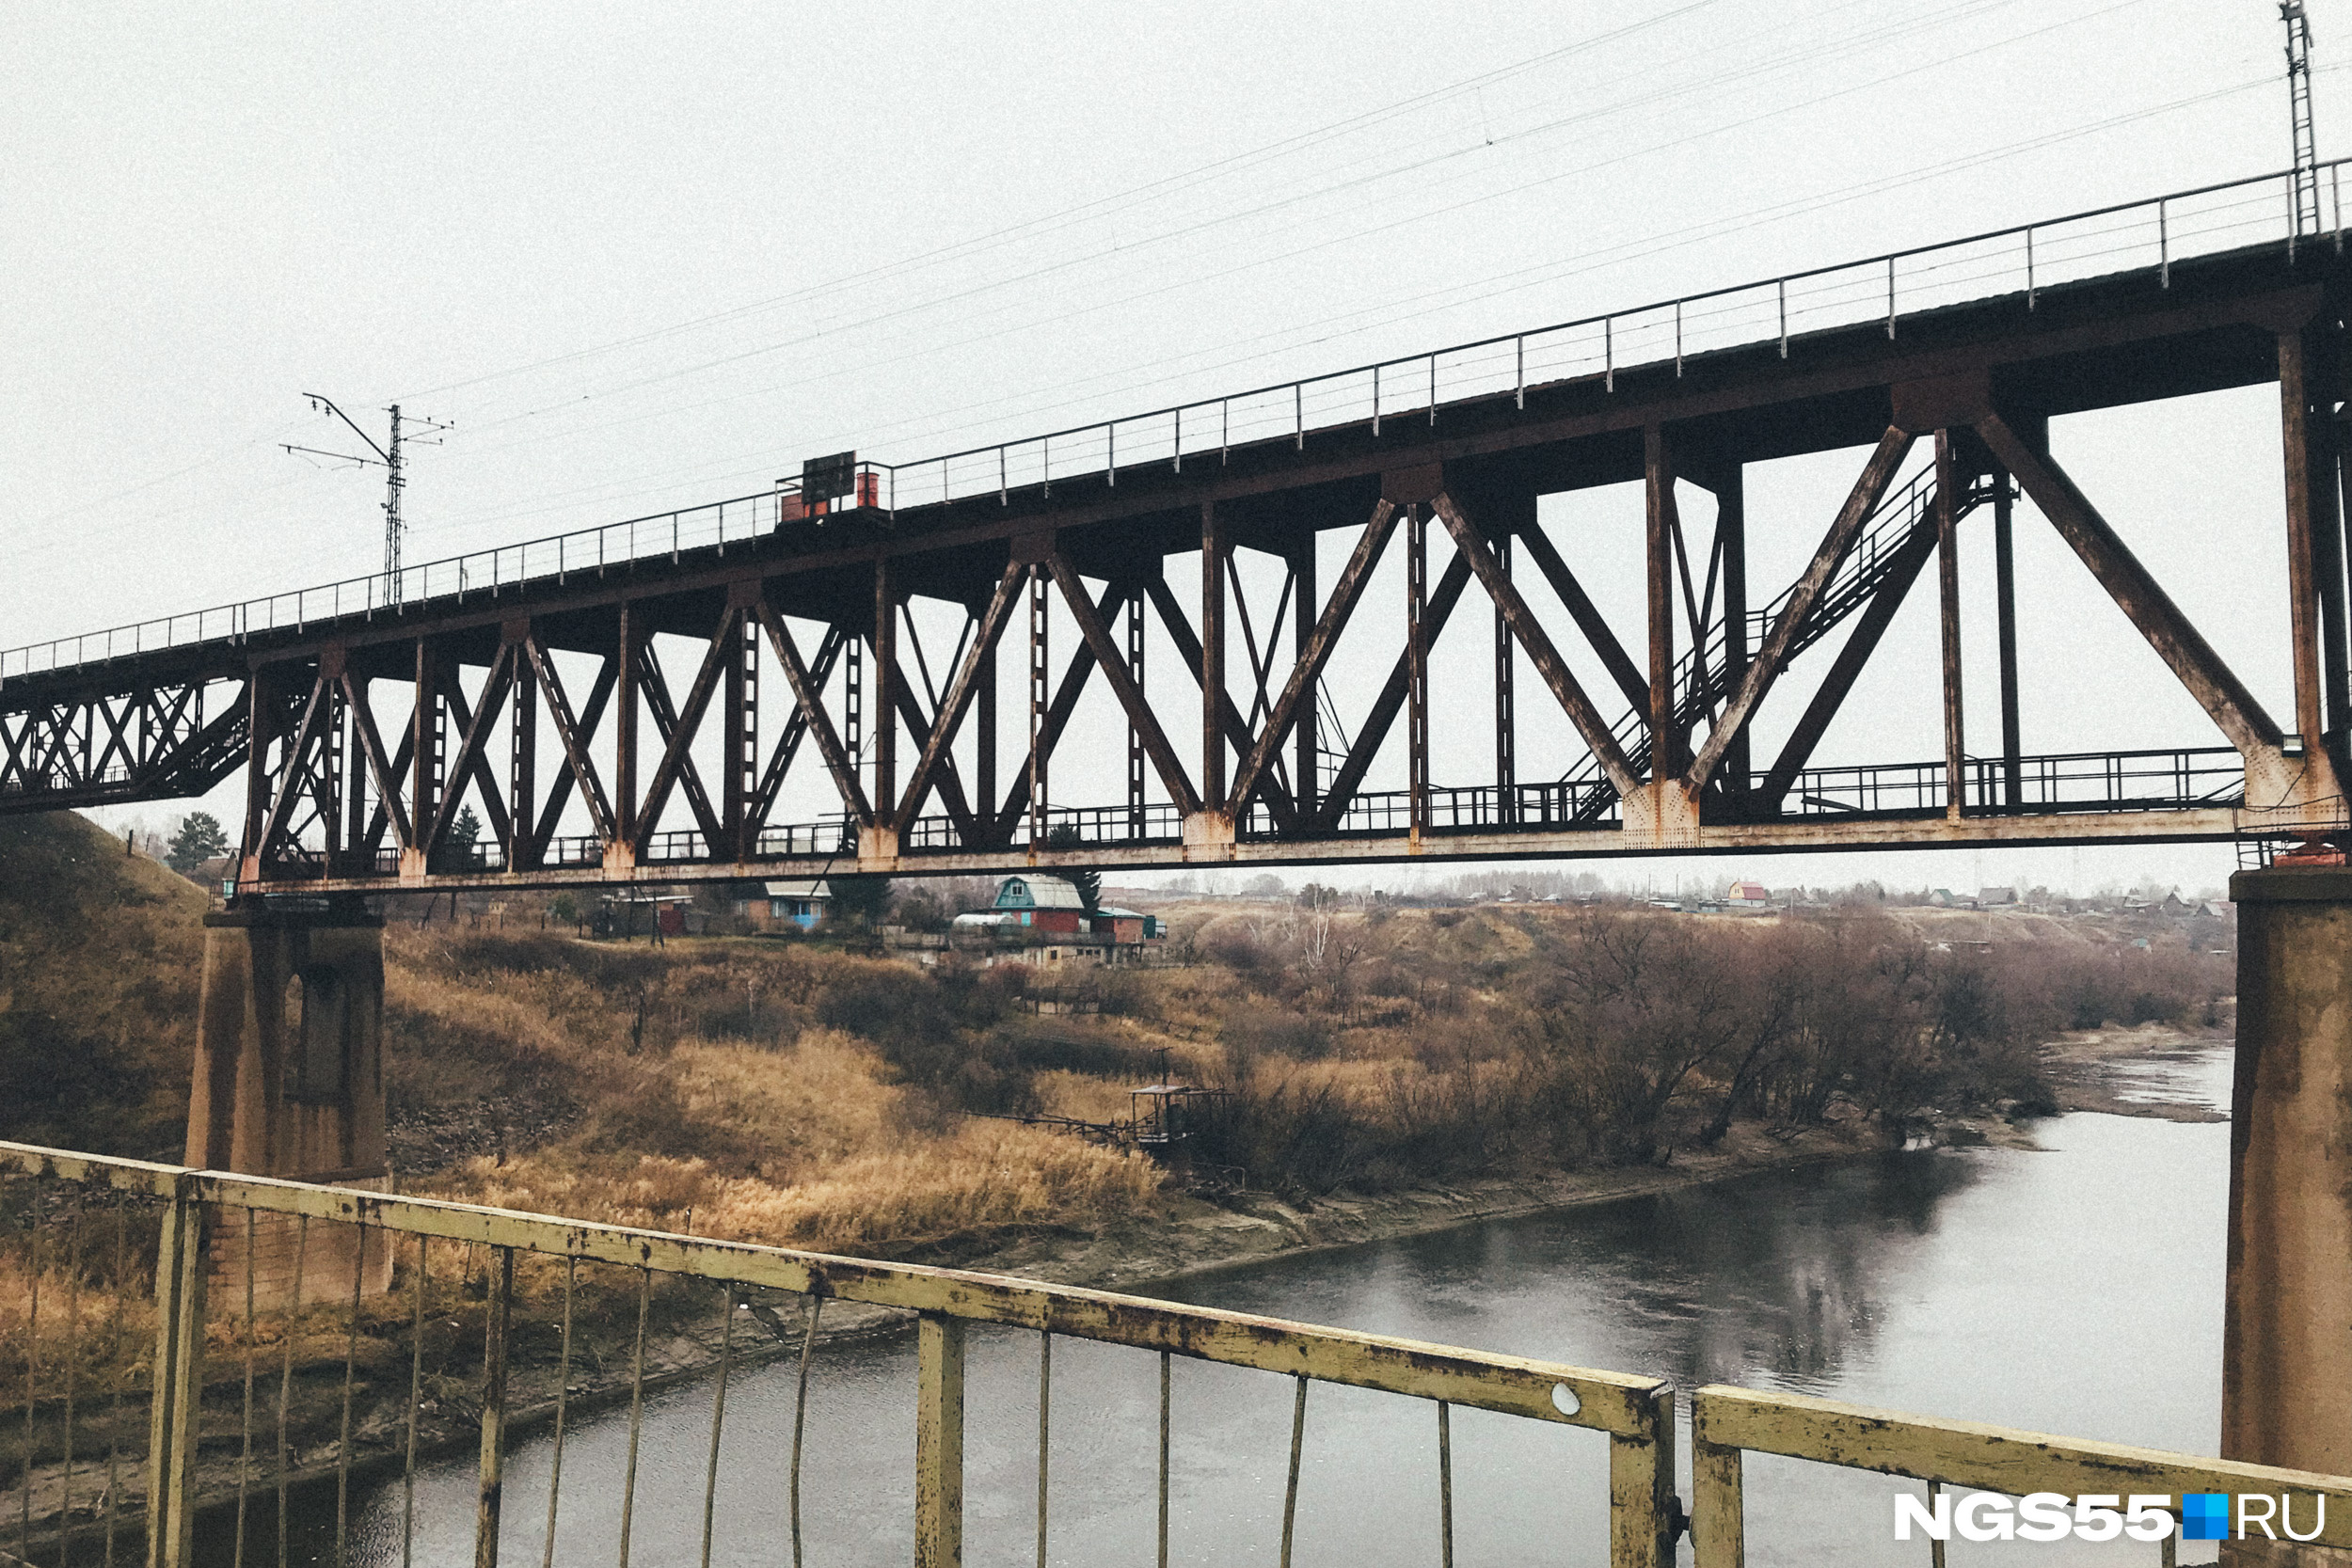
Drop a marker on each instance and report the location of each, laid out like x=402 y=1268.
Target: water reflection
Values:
x=2075 y=1289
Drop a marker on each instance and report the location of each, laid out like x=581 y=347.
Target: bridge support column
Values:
x=2286 y=1389
x=290 y=1083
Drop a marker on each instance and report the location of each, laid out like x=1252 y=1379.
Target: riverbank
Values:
x=1187 y=1237
x=2091 y=1070
x=687 y=1334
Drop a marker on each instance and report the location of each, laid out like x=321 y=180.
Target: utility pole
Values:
x=2306 y=194
x=387 y=458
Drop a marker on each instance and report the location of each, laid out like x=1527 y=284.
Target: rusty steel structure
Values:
x=647 y=700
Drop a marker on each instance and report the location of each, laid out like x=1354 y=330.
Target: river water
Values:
x=2075 y=1289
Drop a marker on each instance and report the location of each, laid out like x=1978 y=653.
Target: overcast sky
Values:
x=644 y=256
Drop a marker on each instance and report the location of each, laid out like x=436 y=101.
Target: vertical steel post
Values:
x=886 y=687
x=734 y=787
x=1135 y=734
x=1718 y=1508
x=1306 y=780
x=1659 y=495
x=2322 y=377
x=2005 y=587
x=939 y=1442
x=625 y=705
x=1040 y=696
x=1417 y=668
x=1642 y=1503
x=1506 y=717
x=496 y=1319
x=334 y=758
x=1948 y=584
x=522 y=760
x=1731 y=531
x=984 y=740
x=356 y=787
x=1211 y=656
x=853 y=701
x=427 y=731
x=2303 y=554
x=259 y=727
x=181 y=1266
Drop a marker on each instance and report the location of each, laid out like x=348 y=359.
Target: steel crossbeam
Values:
x=367 y=738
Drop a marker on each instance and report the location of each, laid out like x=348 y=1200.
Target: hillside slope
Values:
x=99 y=964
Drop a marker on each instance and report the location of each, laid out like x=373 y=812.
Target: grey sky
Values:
x=646 y=256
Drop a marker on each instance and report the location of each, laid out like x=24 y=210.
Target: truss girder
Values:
x=608 y=723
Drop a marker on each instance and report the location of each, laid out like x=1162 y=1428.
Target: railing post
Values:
x=1643 y=1509
x=939 y=1442
x=1718 y=1515
x=498 y=1311
x=179 y=1379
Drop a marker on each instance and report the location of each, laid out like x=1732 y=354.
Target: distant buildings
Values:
x=802 y=904
x=1048 y=919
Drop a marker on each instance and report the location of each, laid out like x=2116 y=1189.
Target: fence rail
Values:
x=1728 y=1423
x=2156 y=233
x=161 y=1337
x=196 y=1212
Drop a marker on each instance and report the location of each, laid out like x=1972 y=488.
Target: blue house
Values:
x=802 y=904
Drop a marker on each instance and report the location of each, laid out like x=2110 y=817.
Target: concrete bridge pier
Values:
x=290 y=1083
x=2286 y=1381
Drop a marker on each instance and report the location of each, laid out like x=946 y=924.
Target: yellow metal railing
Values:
x=190 y=1214
x=196 y=1208
x=1726 y=1423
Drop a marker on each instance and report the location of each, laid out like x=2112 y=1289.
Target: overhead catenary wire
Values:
x=1355 y=321
x=1149 y=189
x=1127 y=249
x=1198 y=361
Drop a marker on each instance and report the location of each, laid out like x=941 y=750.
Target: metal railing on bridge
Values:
x=313 y=1336
x=2184 y=778
x=2156 y=232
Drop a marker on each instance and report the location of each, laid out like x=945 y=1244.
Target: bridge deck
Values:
x=2014 y=327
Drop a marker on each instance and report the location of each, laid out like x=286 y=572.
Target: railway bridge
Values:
x=1223 y=620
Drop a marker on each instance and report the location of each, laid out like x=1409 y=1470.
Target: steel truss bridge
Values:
x=529 y=682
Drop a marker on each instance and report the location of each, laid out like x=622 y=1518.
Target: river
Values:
x=2075 y=1288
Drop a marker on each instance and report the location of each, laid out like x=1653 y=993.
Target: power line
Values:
x=1126 y=250
x=1649 y=244
x=1153 y=189
x=1065 y=312
x=387 y=458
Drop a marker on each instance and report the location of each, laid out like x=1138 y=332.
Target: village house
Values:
x=1050 y=905
x=770 y=906
x=1048 y=919
x=802 y=904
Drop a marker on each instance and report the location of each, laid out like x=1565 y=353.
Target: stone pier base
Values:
x=2286 y=1380
x=290 y=1083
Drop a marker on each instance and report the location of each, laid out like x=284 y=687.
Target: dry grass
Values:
x=1062 y=1093
x=979 y=1177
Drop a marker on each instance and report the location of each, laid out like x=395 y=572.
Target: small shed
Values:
x=802 y=904
x=1125 y=927
x=1052 y=905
